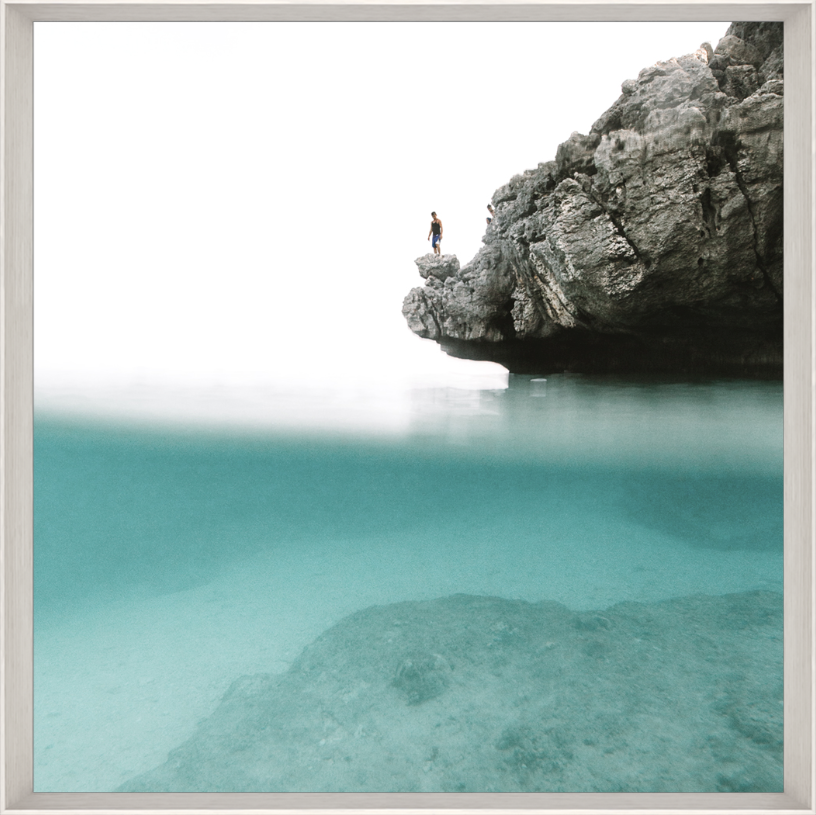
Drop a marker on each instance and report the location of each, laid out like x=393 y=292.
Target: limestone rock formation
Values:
x=652 y=243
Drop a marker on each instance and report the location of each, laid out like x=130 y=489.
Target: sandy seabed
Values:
x=121 y=684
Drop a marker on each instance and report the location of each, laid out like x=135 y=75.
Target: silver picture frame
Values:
x=17 y=18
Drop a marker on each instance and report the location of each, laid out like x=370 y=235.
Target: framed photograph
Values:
x=407 y=407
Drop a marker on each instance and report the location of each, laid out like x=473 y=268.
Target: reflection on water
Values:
x=571 y=418
x=170 y=558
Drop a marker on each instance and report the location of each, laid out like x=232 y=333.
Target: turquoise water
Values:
x=171 y=560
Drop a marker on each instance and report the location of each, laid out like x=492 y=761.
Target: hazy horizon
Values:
x=240 y=205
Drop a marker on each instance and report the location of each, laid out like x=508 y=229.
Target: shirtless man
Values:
x=436 y=231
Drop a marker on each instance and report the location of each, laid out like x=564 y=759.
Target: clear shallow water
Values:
x=170 y=560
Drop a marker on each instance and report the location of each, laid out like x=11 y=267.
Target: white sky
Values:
x=243 y=203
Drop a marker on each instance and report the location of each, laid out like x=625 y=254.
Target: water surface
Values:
x=172 y=558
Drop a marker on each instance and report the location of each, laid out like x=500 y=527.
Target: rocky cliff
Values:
x=652 y=243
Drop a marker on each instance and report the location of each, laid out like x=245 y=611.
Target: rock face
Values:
x=652 y=243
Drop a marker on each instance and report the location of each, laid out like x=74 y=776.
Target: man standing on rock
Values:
x=436 y=231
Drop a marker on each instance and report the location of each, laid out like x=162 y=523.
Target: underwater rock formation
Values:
x=652 y=243
x=483 y=694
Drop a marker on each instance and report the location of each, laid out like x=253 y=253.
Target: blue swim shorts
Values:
x=435 y=240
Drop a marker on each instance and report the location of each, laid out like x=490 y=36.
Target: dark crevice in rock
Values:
x=710 y=214
x=730 y=147
x=616 y=222
x=715 y=161
x=438 y=327
x=524 y=271
x=504 y=322
x=555 y=301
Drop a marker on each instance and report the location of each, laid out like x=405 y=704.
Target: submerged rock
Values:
x=654 y=242
x=482 y=694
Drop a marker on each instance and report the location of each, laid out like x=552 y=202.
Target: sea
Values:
x=636 y=524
